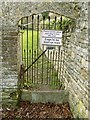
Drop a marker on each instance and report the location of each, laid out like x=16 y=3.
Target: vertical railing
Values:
x=22 y=38
x=34 y=66
x=32 y=44
x=37 y=43
x=53 y=66
x=50 y=80
x=25 y=64
x=47 y=66
x=43 y=49
x=50 y=59
x=27 y=48
x=29 y=71
x=60 y=54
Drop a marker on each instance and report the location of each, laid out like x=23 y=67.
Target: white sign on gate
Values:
x=51 y=37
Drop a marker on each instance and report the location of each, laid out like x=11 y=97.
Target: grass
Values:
x=30 y=39
x=52 y=83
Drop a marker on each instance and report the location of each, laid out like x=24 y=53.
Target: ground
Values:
x=39 y=111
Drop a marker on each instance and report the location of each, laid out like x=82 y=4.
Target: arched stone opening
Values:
x=30 y=28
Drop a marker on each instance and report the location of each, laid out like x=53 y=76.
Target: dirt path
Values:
x=37 y=111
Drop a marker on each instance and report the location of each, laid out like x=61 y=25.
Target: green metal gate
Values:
x=41 y=66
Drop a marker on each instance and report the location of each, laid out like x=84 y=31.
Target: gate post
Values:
x=20 y=83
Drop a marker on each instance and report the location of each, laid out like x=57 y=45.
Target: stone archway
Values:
x=30 y=28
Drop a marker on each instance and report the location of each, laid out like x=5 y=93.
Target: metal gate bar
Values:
x=37 y=43
x=27 y=49
x=42 y=70
x=32 y=46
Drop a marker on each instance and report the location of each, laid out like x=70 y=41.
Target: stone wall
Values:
x=0 y=64
x=75 y=50
x=75 y=74
x=89 y=58
x=9 y=63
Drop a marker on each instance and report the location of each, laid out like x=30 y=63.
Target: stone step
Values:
x=56 y=96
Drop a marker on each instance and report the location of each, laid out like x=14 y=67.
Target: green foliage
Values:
x=66 y=24
x=45 y=14
x=29 y=39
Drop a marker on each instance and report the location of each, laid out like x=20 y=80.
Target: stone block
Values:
x=45 y=96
